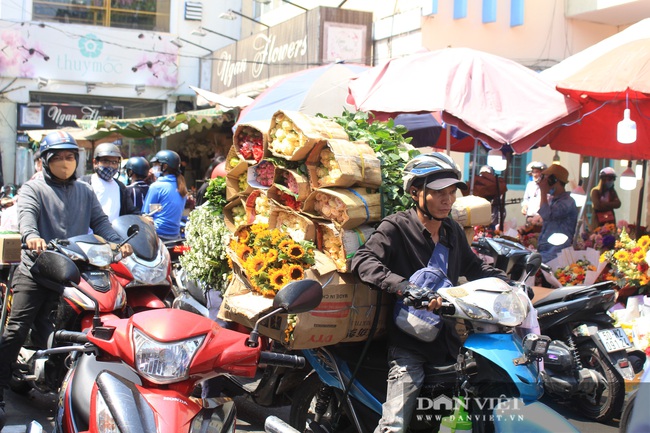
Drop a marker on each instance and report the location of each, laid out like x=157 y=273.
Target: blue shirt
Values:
x=167 y=220
x=560 y=216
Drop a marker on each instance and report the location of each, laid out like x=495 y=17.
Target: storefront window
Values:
x=128 y=14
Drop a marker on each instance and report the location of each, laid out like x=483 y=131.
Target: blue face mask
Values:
x=609 y=184
x=551 y=191
x=156 y=171
x=106 y=173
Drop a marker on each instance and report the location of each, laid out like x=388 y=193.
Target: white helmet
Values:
x=535 y=164
x=440 y=168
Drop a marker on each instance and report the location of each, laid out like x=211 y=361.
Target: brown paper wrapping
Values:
x=228 y=216
x=252 y=180
x=355 y=161
x=252 y=215
x=359 y=206
x=350 y=241
x=298 y=226
x=302 y=182
x=259 y=128
x=470 y=211
x=307 y=131
x=232 y=181
x=232 y=159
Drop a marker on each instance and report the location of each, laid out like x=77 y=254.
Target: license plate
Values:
x=614 y=339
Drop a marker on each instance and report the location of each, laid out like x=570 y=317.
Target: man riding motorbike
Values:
x=54 y=207
x=403 y=244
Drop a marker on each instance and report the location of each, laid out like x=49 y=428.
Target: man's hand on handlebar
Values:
x=36 y=244
x=126 y=250
x=421 y=297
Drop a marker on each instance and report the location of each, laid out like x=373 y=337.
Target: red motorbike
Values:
x=98 y=291
x=146 y=274
x=138 y=374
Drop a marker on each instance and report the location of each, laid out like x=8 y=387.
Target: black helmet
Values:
x=57 y=140
x=137 y=165
x=170 y=158
x=107 y=149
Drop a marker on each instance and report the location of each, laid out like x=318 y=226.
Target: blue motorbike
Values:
x=496 y=377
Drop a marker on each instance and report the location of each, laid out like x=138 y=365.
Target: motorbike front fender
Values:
x=502 y=350
x=513 y=416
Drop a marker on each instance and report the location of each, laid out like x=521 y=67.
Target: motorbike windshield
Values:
x=145 y=243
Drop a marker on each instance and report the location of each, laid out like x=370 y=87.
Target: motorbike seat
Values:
x=87 y=370
x=567 y=293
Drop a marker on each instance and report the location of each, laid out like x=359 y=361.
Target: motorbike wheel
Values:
x=627 y=412
x=611 y=401
x=304 y=403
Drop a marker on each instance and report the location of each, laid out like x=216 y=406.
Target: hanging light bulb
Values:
x=496 y=160
x=628 y=179
x=584 y=170
x=556 y=157
x=626 y=130
x=638 y=171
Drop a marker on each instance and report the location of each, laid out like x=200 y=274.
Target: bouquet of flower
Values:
x=285 y=136
x=602 y=238
x=250 y=144
x=629 y=261
x=239 y=215
x=575 y=273
x=328 y=169
x=289 y=201
x=243 y=181
x=271 y=258
x=330 y=207
x=264 y=173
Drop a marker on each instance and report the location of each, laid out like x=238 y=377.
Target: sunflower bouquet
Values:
x=271 y=258
x=629 y=261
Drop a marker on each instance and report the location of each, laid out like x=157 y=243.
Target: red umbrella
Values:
x=619 y=78
x=493 y=99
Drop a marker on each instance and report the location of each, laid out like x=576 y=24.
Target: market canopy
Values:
x=159 y=126
x=606 y=79
x=491 y=98
x=206 y=97
x=84 y=137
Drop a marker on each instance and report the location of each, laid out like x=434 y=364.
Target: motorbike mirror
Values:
x=299 y=296
x=57 y=268
x=533 y=263
x=131 y=232
x=557 y=239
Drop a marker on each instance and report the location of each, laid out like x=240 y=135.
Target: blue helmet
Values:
x=137 y=165
x=57 y=140
x=170 y=158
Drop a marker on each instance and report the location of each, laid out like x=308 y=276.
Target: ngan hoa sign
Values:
x=316 y=37
x=266 y=51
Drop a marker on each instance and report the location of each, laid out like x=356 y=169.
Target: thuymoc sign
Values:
x=311 y=39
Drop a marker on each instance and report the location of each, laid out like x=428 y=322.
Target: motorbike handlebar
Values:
x=282 y=360
x=71 y=337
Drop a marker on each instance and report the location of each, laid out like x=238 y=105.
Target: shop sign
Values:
x=319 y=36
x=54 y=116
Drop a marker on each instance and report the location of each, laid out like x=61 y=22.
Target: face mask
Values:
x=62 y=169
x=609 y=184
x=156 y=171
x=551 y=191
x=106 y=173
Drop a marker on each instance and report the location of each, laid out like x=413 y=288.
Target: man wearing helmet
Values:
x=112 y=194
x=604 y=199
x=168 y=193
x=530 y=203
x=137 y=170
x=558 y=211
x=403 y=244
x=54 y=206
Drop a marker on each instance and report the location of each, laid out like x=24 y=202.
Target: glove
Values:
x=418 y=297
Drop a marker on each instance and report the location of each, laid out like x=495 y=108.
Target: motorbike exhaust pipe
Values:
x=273 y=424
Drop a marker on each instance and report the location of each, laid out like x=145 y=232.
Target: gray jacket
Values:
x=59 y=210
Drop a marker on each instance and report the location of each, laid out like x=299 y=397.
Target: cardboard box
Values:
x=345 y=314
x=469 y=211
x=10 y=247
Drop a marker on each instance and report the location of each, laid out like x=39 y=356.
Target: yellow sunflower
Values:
x=621 y=255
x=644 y=242
x=244 y=236
x=295 y=272
x=279 y=278
x=272 y=255
x=295 y=251
x=243 y=251
x=639 y=256
x=284 y=244
x=256 y=263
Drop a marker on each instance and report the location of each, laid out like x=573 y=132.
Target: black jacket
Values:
x=402 y=245
x=126 y=202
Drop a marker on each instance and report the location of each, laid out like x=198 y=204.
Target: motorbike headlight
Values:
x=103 y=417
x=98 y=254
x=164 y=362
x=509 y=309
x=473 y=311
x=153 y=272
